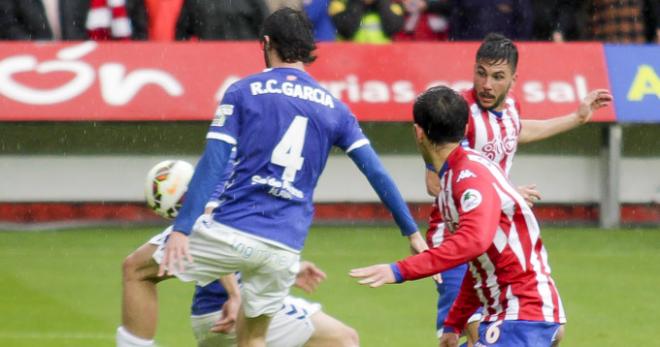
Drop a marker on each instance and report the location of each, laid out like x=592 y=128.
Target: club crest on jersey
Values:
x=470 y=200
x=465 y=174
x=221 y=114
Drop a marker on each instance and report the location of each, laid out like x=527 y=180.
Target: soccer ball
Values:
x=166 y=185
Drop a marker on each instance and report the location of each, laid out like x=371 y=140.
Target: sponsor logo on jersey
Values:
x=293 y=90
x=470 y=200
x=221 y=113
x=496 y=147
x=465 y=174
x=279 y=188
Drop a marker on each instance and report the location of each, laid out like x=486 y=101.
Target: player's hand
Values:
x=309 y=277
x=374 y=276
x=227 y=320
x=530 y=194
x=417 y=243
x=176 y=253
x=595 y=100
x=449 y=340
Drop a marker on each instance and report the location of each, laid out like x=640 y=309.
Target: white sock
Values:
x=126 y=339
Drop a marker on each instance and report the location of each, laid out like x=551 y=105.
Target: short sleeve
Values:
x=226 y=122
x=350 y=134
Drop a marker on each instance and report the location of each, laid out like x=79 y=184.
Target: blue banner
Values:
x=635 y=79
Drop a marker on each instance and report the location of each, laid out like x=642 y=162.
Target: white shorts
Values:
x=290 y=327
x=267 y=271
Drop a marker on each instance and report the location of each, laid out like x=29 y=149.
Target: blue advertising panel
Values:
x=635 y=79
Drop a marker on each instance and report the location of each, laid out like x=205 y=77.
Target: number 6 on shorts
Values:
x=493 y=332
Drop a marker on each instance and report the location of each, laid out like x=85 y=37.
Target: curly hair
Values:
x=291 y=35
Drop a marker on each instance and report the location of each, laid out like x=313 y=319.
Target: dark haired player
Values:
x=494 y=128
x=283 y=125
x=493 y=229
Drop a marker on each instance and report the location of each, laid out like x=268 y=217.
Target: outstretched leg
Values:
x=330 y=332
x=139 y=299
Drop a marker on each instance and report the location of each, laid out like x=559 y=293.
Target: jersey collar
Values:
x=453 y=155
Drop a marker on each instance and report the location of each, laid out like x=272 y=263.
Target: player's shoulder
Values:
x=472 y=165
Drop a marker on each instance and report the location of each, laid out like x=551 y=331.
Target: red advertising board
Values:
x=182 y=81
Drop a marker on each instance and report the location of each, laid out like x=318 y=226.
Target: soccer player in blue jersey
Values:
x=283 y=124
x=215 y=306
x=214 y=309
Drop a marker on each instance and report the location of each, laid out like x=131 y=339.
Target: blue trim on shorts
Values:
x=517 y=333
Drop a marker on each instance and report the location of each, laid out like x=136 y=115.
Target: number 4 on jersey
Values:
x=288 y=151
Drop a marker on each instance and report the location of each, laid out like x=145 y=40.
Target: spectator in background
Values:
x=317 y=11
x=620 y=21
x=366 y=21
x=221 y=19
x=72 y=20
x=558 y=20
x=652 y=20
x=425 y=20
x=163 y=15
x=473 y=19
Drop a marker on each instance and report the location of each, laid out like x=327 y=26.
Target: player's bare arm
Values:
x=230 y=308
x=535 y=130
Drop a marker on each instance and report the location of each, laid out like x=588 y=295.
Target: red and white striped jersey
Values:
x=496 y=232
x=493 y=134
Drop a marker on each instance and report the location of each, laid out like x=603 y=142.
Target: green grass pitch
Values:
x=62 y=288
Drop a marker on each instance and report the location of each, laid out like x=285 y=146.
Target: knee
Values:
x=349 y=337
x=130 y=267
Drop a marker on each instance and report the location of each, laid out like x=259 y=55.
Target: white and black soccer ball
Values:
x=166 y=185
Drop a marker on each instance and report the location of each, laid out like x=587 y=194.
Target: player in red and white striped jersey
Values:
x=493 y=229
x=494 y=129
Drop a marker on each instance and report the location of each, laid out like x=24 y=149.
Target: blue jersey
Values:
x=226 y=179
x=283 y=124
x=212 y=296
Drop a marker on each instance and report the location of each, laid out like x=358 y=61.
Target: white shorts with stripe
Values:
x=290 y=327
x=267 y=271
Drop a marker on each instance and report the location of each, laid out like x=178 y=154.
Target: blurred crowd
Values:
x=367 y=21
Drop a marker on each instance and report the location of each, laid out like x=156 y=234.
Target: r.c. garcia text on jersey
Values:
x=283 y=124
x=293 y=90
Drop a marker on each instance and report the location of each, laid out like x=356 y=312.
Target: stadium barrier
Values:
x=128 y=82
